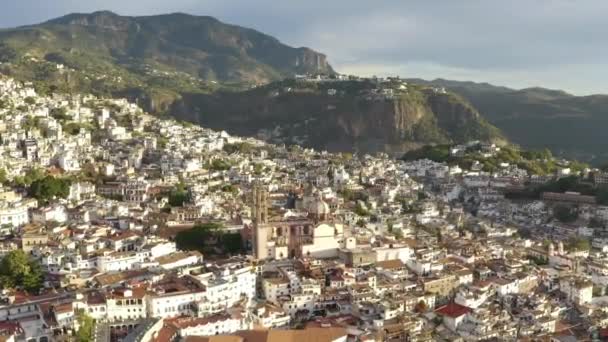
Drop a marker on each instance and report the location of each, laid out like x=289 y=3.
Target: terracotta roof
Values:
x=222 y=338
x=186 y=322
x=63 y=308
x=95 y=298
x=308 y=335
x=390 y=264
x=113 y=278
x=10 y=327
x=453 y=310
x=277 y=281
x=177 y=256
x=166 y=334
x=136 y=293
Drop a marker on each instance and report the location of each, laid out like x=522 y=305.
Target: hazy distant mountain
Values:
x=541 y=118
x=151 y=59
x=200 y=46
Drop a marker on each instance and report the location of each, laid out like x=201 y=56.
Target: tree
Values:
x=200 y=236
x=18 y=270
x=86 y=327
x=595 y=222
x=421 y=307
x=195 y=238
x=7 y=53
x=30 y=176
x=233 y=242
x=162 y=142
x=602 y=195
x=72 y=128
x=3 y=176
x=50 y=187
x=239 y=147
x=598 y=291
x=438 y=153
x=360 y=210
x=60 y=114
x=258 y=168
x=31 y=122
x=219 y=165
x=439 y=236
x=565 y=214
x=578 y=244
x=525 y=233
x=230 y=188
x=30 y=100
x=179 y=196
x=124 y=120
x=397 y=233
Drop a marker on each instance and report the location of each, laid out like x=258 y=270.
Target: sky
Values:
x=560 y=44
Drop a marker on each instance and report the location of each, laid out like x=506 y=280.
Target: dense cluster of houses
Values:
x=335 y=247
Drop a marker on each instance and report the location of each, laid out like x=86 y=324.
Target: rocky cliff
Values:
x=350 y=119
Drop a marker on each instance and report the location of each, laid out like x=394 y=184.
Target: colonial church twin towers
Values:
x=311 y=233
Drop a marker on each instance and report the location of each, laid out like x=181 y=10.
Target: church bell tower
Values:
x=260 y=222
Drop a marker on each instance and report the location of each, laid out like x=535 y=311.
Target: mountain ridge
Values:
x=535 y=117
x=201 y=46
x=169 y=64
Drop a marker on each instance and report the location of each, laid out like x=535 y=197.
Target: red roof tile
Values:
x=453 y=310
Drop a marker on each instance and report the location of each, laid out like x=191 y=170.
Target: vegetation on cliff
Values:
x=535 y=162
x=360 y=115
x=536 y=118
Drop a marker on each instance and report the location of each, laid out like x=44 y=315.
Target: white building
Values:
x=126 y=304
x=56 y=213
x=227 y=286
x=577 y=290
x=217 y=324
x=270 y=316
x=403 y=253
x=14 y=210
x=119 y=261
x=179 y=259
x=175 y=298
x=68 y=162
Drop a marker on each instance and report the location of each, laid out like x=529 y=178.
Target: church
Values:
x=315 y=234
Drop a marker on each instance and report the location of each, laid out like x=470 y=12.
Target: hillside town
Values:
x=116 y=225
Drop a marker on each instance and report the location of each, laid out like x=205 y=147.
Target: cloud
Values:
x=554 y=43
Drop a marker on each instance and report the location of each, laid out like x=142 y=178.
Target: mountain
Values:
x=202 y=70
x=538 y=118
x=355 y=115
x=142 y=56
